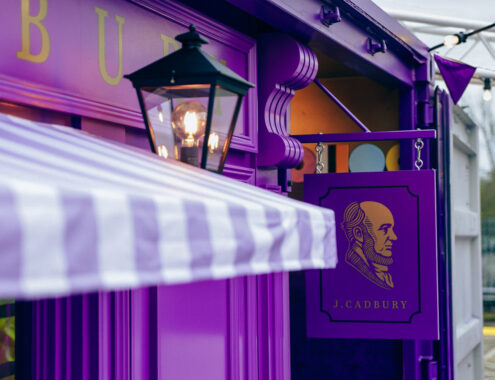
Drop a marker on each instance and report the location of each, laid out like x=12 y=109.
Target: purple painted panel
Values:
x=193 y=331
x=49 y=46
x=273 y=326
x=385 y=285
x=243 y=328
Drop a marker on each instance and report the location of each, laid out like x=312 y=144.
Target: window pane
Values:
x=223 y=112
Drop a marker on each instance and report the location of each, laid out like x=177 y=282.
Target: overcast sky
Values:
x=483 y=10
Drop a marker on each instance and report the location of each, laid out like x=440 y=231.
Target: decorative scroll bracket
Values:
x=285 y=65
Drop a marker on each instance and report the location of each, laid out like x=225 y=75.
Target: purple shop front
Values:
x=64 y=62
x=385 y=284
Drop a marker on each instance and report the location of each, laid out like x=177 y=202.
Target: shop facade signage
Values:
x=76 y=53
x=385 y=282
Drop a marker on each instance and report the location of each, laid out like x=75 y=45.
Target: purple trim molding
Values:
x=246 y=140
x=285 y=65
x=243 y=328
x=240 y=173
x=274 y=326
x=38 y=95
x=364 y=136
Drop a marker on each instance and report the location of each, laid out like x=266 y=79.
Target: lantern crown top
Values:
x=191 y=39
x=188 y=65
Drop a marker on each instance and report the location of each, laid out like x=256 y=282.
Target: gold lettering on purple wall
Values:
x=222 y=61
x=26 y=21
x=167 y=41
x=102 y=15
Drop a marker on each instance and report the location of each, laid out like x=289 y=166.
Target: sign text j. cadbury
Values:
x=370 y=304
x=384 y=285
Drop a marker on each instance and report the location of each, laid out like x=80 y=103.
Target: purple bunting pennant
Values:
x=456 y=75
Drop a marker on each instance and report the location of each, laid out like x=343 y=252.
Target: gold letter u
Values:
x=102 y=14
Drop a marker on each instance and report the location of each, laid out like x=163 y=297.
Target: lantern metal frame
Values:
x=191 y=66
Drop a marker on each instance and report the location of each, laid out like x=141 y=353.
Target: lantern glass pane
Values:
x=224 y=107
x=177 y=117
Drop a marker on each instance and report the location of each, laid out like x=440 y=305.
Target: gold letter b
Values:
x=26 y=21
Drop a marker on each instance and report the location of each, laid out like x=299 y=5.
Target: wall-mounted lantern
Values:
x=190 y=103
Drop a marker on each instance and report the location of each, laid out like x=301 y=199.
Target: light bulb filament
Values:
x=191 y=123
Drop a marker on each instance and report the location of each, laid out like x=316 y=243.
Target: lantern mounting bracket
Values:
x=329 y=15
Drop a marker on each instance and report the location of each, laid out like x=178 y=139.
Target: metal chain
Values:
x=319 y=163
x=419 y=144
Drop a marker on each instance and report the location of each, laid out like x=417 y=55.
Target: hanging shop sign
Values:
x=385 y=282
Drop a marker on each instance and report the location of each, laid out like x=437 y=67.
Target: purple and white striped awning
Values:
x=79 y=214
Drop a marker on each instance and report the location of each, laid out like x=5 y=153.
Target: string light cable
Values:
x=452 y=40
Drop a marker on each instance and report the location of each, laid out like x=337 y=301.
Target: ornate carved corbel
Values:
x=284 y=65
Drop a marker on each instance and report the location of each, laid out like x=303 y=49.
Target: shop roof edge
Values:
x=387 y=24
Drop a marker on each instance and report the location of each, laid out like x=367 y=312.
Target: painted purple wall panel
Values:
x=193 y=331
x=273 y=326
x=105 y=348
x=243 y=328
x=140 y=332
x=121 y=336
x=137 y=138
x=104 y=129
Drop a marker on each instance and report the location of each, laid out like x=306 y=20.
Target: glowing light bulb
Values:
x=189 y=123
x=487 y=95
x=487 y=89
x=163 y=151
x=213 y=141
x=451 y=40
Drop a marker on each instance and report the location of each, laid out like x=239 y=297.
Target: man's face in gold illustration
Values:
x=369 y=229
x=380 y=223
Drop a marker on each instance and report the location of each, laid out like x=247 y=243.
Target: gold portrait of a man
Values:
x=369 y=229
